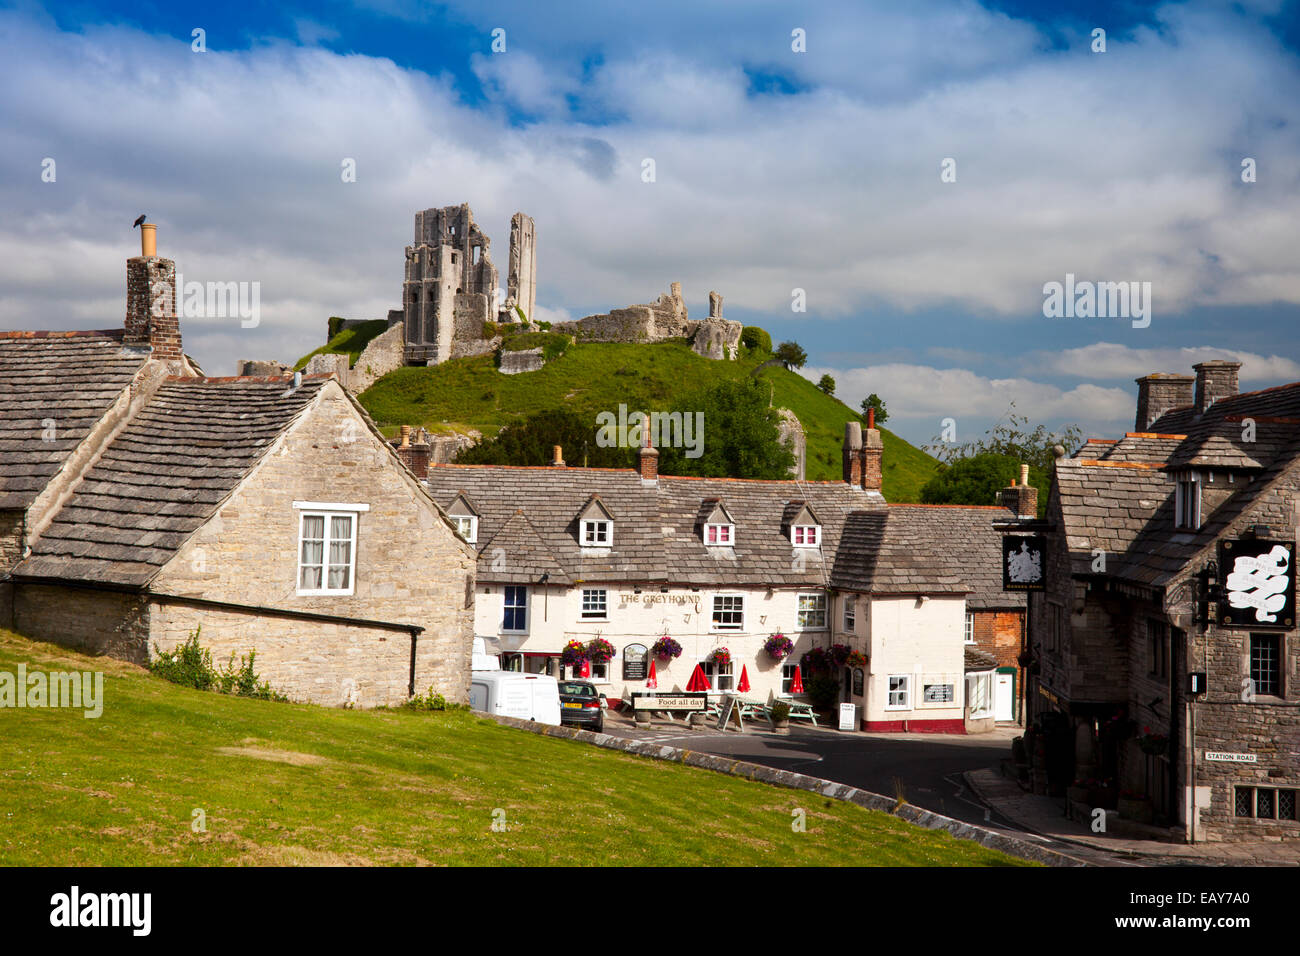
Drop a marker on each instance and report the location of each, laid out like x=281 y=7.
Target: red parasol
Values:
x=743 y=686
x=796 y=684
x=586 y=668
x=698 y=681
x=652 y=682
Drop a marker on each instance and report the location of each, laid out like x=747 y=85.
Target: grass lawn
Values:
x=294 y=784
x=594 y=377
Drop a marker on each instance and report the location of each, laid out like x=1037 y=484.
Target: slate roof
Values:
x=866 y=544
x=1126 y=507
x=977 y=660
x=164 y=476
x=70 y=377
x=927 y=549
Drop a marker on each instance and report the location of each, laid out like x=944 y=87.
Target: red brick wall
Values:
x=999 y=633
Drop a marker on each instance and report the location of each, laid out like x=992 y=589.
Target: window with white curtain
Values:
x=979 y=694
x=326 y=552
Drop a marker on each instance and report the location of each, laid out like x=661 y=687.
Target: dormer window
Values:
x=1187 y=502
x=802 y=525
x=595 y=525
x=466 y=527
x=717 y=528
x=464 y=517
x=597 y=533
x=805 y=535
x=718 y=534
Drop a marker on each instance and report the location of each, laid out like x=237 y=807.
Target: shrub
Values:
x=823 y=691
x=780 y=710
x=431 y=701
x=335 y=325
x=752 y=337
x=190 y=665
x=489 y=330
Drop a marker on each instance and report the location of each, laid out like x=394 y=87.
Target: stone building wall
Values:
x=108 y=623
x=411 y=567
x=999 y=633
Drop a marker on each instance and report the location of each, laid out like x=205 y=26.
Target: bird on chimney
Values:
x=138 y=222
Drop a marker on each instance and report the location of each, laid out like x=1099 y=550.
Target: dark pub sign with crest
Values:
x=1023 y=557
x=1258 y=584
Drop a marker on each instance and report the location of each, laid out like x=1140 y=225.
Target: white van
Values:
x=526 y=696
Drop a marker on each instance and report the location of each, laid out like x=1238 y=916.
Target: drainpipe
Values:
x=415 y=635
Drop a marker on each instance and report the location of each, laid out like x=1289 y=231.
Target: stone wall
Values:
x=791 y=434
x=383 y=354
x=411 y=567
x=524 y=360
x=11 y=551
x=105 y=623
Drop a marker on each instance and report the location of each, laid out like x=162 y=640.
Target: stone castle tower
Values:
x=450 y=288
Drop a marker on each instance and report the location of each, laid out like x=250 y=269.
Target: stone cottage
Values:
x=150 y=502
x=1166 y=655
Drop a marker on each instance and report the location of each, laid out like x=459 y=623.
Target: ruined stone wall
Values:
x=383 y=354
x=411 y=567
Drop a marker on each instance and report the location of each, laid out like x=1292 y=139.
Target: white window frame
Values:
x=591 y=531
x=725 y=534
x=505 y=595
x=968 y=634
x=470 y=532
x=716 y=674
x=716 y=610
x=599 y=672
x=1187 y=514
x=787 y=678
x=800 y=611
x=988 y=679
x=850 y=613
x=326 y=514
x=594 y=613
x=905 y=689
x=811 y=534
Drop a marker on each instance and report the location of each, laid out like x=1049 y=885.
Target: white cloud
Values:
x=1111 y=360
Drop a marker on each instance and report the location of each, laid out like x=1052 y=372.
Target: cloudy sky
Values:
x=774 y=170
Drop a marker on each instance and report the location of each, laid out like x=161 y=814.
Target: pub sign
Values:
x=1258 y=584
x=1022 y=562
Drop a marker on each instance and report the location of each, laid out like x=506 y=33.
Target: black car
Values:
x=582 y=704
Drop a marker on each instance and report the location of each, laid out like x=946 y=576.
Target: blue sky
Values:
x=775 y=170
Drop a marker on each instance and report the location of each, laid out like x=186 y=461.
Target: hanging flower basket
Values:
x=575 y=652
x=856 y=659
x=840 y=654
x=1152 y=744
x=817 y=659
x=666 y=648
x=600 y=650
x=778 y=647
x=721 y=656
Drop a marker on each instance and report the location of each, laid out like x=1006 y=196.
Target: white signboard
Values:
x=848 y=716
x=1229 y=758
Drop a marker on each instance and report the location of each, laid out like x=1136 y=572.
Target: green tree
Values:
x=827 y=385
x=1013 y=438
x=740 y=436
x=792 y=355
x=531 y=442
x=978 y=479
x=756 y=339
x=875 y=401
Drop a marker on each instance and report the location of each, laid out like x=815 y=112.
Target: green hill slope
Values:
x=171 y=776
x=591 y=378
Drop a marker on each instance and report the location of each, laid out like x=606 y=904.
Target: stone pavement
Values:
x=1046 y=816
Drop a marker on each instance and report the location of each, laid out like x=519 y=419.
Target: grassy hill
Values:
x=591 y=377
x=289 y=784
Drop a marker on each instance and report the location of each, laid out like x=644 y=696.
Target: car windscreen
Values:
x=578 y=690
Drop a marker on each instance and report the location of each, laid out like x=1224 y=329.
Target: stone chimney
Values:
x=648 y=461
x=873 y=454
x=852 y=454
x=557 y=461
x=151 y=320
x=1021 y=498
x=1214 y=381
x=1159 y=393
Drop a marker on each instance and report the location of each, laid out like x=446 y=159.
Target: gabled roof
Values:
x=519 y=555
x=798 y=512
x=595 y=510
x=462 y=507
x=163 y=476
x=657 y=541
x=713 y=511
x=54 y=387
